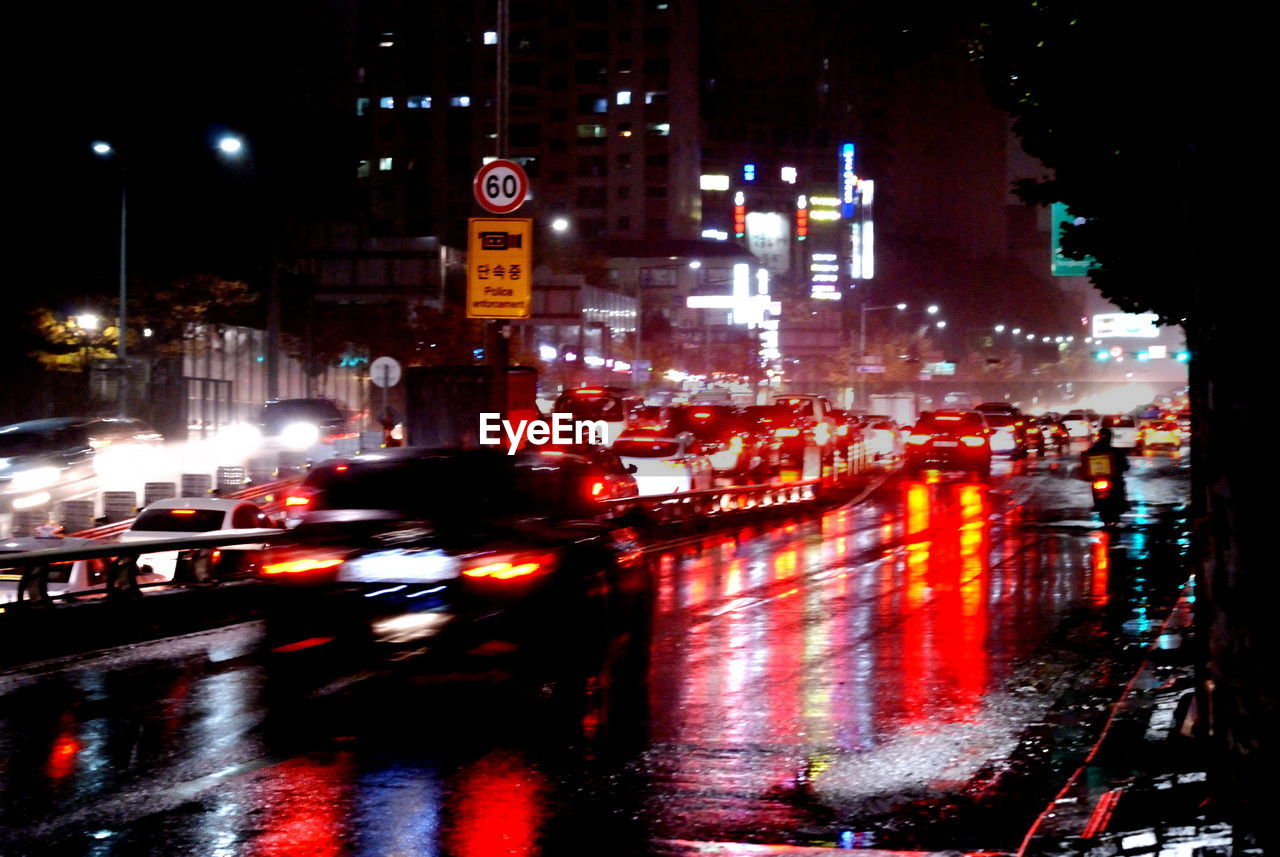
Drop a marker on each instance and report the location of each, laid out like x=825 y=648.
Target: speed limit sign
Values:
x=501 y=186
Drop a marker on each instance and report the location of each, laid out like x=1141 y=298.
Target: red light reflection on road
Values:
x=499 y=809
x=304 y=808
x=1100 y=563
x=62 y=755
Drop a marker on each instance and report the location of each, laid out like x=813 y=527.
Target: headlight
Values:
x=300 y=436
x=34 y=479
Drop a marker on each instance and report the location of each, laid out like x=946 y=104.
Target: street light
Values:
x=104 y=149
x=999 y=328
x=228 y=144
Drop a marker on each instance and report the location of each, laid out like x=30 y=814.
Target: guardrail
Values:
x=120 y=576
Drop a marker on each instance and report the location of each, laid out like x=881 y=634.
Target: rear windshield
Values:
x=179 y=520
x=1071 y=418
x=1118 y=422
x=800 y=407
x=771 y=415
x=637 y=448
x=24 y=443
x=1165 y=425
x=466 y=486
x=1000 y=419
x=948 y=423
x=591 y=406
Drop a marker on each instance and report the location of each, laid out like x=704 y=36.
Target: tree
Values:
x=1150 y=125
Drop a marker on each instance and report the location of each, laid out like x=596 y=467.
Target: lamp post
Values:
x=863 y=309
x=229 y=145
x=105 y=150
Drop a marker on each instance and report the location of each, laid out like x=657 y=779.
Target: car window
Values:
x=246 y=517
x=799 y=407
x=179 y=520
x=639 y=448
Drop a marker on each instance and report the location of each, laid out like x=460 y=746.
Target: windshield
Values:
x=179 y=520
x=23 y=443
x=638 y=448
x=588 y=406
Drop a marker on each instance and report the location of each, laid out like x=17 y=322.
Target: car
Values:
x=1008 y=434
x=192 y=516
x=1080 y=425
x=882 y=436
x=86 y=575
x=649 y=417
x=301 y=424
x=1161 y=434
x=1124 y=431
x=1053 y=434
x=610 y=405
x=949 y=440
x=42 y=461
x=788 y=447
x=732 y=442
x=664 y=463
x=447 y=550
x=596 y=474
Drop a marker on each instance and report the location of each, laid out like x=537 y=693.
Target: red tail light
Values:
x=508 y=566
x=597 y=489
x=182 y=511
x=302 y=566
x=1102 y=485
x=972 y=440
x=786 y=432
x=918 y=439
x=296 y=501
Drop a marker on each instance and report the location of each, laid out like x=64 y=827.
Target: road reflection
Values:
x=806 y=679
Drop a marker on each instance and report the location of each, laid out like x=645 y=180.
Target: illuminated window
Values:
x=713 y=182
x=490 y=37
x=384 y=164
x=789 y=175
x=590 y=131
x=623 y=97
x=362 y=106
x=418 y=102
x=387 y=102
x=362 y=169
x=656 y=97
x=460 y=101
x=660 y=129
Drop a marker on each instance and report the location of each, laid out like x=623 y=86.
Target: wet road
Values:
x=916 y=671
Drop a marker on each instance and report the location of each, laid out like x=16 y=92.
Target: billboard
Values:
x=1125 y=325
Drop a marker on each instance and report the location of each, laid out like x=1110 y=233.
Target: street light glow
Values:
x=941 y=325
x=999 y=328
x=87 y=321
x=560 y=224
x=933 y=309
x=902 y=306
x=230 y=145
x=101 y=148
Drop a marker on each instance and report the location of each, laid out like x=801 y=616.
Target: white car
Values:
x=1079 y=425
x=1124 y=432
x=195 y=516
x=64 y=578
x=664 y=465
x=882 y=439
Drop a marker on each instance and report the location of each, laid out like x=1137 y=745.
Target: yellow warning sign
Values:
x=499 y=267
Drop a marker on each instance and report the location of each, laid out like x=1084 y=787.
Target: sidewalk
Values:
x=1143 y=789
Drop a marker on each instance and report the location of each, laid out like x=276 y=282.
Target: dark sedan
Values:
x=451 y=550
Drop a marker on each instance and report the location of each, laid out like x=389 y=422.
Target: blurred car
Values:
x=846 y=433
x=610 y=405
x=730 y=440
x=300 y=424
x=665 y=464
x=1008 y=434
x=192 y=516
x=1124 y=431
x=949 y=440
x=601 y=475
x=451 y=549
x=787 y=438
x=883 y=437
x=84 y=575
x=43 y=460
x=1161 y=434
x=1080 y=425
x=649 y=417
x=1053 y=434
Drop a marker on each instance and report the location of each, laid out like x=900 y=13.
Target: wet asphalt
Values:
x=917 y=671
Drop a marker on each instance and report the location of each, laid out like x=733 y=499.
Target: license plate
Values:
x=945 y=443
